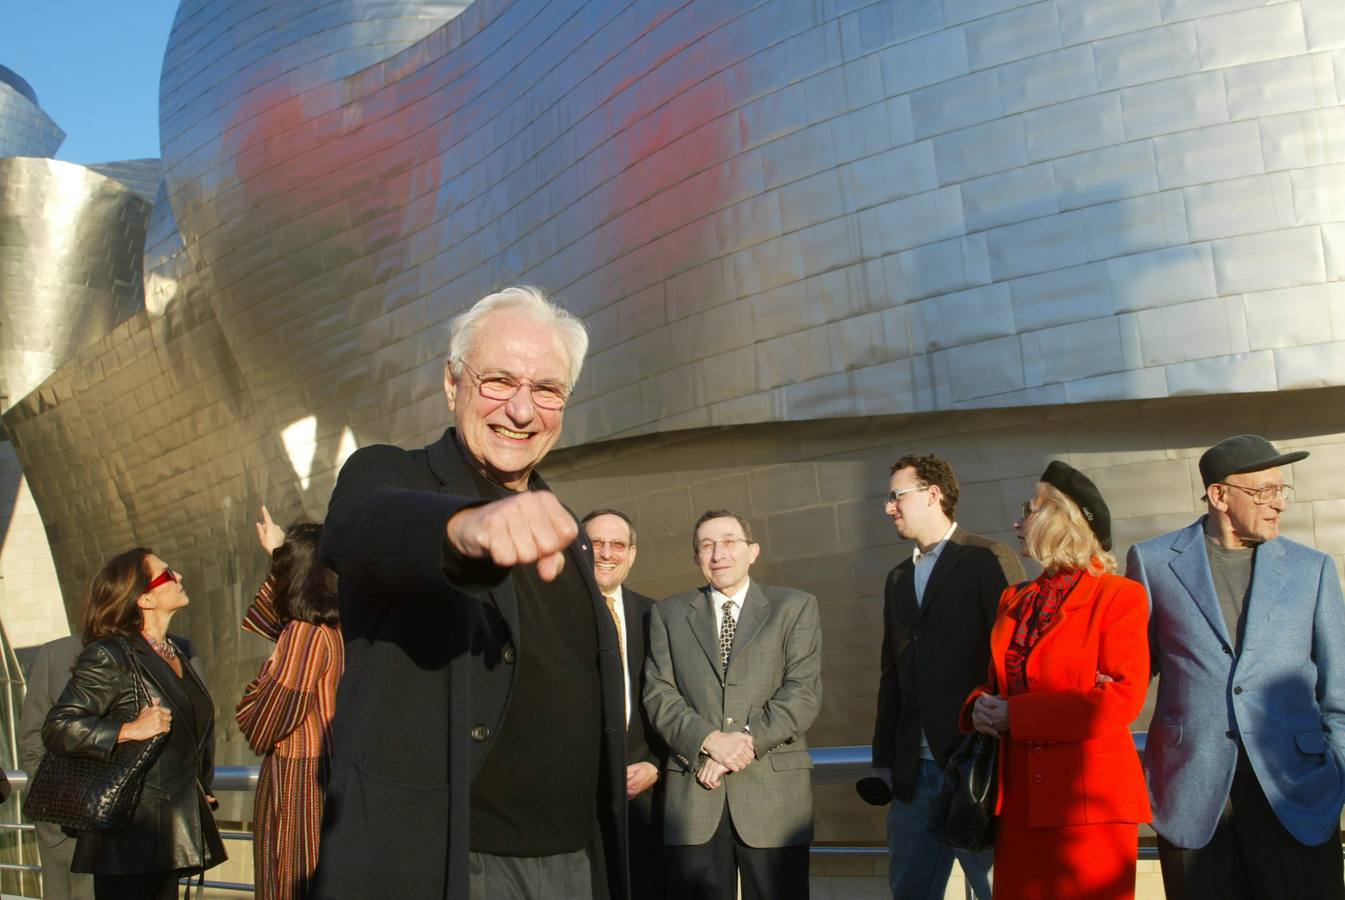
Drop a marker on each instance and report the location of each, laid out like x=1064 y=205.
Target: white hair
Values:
x=530 y=302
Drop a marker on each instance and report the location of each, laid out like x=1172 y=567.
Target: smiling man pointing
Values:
x=480 y=721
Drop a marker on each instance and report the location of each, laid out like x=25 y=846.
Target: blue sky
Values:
x=95 y=66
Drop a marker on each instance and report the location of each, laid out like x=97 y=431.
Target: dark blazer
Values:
x=935 y=653
x=430 y=651
x=645 y=811
x=642 y=742
x=173 y=827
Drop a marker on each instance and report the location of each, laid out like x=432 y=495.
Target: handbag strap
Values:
x=138 y=679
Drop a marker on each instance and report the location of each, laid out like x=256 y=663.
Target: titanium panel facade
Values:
x=71 y=245
x=25 y=130
x=806 y=237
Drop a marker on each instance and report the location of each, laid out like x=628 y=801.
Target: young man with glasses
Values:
x=479 y=730
x=1246 y=752
x=734 y=680
x=938 y=608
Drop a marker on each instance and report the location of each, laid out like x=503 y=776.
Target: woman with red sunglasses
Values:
x=172 y=832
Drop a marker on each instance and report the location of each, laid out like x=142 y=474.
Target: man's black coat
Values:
x=430 y=652
x=643 y=745
x=934 y=654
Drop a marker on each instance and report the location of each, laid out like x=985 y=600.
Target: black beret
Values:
x=1079 y=488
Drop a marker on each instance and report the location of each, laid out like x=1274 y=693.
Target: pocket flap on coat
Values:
x=1160 y=732
x=794 y=759
x=1310 y=741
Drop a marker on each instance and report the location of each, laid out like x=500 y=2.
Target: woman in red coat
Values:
x=1069 y=669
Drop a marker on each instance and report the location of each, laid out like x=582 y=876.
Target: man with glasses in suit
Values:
x=1245 y=756
x=611 y=534
x=734 y=680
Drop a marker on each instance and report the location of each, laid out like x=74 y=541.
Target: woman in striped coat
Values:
x=286 y=712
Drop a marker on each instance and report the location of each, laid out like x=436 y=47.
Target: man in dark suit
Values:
x=938 y=609
x=734 y=682
x=46 y=681
x=478 y=737
x=612 y=537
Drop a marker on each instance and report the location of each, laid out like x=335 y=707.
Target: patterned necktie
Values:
x=726 y=629
x=616 y=620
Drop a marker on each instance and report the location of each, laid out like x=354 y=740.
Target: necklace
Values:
x=163 y=647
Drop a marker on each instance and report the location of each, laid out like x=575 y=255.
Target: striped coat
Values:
x=286 y=714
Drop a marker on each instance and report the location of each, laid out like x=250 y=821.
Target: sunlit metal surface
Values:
x=71 y=242
x=767 y=212
x=25 y=130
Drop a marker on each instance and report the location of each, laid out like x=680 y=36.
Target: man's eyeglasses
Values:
x=897 y=495
x=163 y=577
x=615 y=546
x=1266 y=493
x=545 y=394
x=729 y=546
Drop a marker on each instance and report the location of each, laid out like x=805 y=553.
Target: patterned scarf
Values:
x=1038 y=607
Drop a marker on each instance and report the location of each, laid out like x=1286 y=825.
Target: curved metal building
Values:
x=807 y=238
x=25 y=130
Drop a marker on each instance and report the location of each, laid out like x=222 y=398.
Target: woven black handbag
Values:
x=963 y=814
x=84 y=794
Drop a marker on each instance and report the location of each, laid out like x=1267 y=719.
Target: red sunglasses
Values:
x=163 y=577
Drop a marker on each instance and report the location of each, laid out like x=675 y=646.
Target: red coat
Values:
x=1082 y=762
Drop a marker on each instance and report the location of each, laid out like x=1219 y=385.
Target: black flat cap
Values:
x=1078 y=487
x=1242 y=453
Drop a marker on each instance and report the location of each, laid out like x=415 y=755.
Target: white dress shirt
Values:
x=737 y=599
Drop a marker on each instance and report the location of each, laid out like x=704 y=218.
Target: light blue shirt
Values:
x=925 y=562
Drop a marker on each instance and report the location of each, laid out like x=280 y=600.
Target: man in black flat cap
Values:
x=1246 y=753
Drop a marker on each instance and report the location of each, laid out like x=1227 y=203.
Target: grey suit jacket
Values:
x=48 y=677
x=1283 y=692
x=773 y=687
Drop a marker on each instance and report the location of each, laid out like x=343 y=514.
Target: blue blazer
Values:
x=1284 y=693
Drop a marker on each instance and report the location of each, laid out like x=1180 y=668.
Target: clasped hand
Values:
x=990 y=715
x=530 y=527
x=727 y=752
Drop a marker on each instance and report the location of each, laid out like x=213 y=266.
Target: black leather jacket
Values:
x=173 y=827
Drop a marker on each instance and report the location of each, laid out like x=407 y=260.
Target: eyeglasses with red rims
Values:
x=163 y=577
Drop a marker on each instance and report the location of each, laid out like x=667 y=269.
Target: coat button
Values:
x=1228 y=651
x=1237 y=690
x=1036 y=779
x=1230 y=734
x=1037 y=751
x=480 y=733
x=510 y=654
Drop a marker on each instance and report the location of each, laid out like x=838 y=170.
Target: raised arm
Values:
x=286 y=689
x=384 y=532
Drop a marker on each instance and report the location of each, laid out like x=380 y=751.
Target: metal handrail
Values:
x=831 y=765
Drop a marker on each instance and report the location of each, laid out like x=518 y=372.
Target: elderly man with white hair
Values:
x=480 y=724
